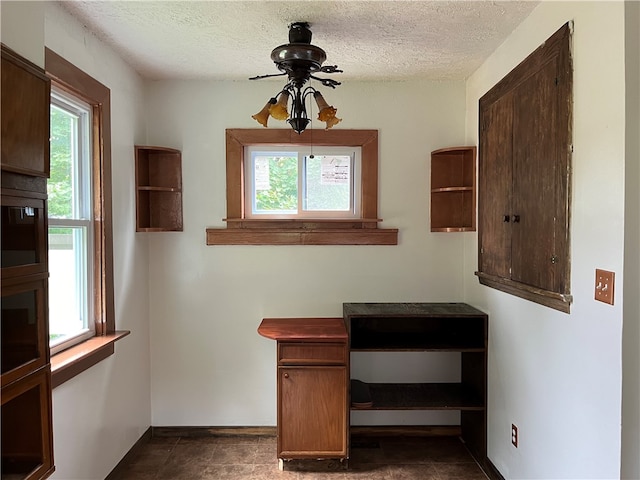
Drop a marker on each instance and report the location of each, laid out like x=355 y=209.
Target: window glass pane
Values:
x=61 y=184
x=275 y=184
x=70 y=222
x=328 y=183
x=68 y=299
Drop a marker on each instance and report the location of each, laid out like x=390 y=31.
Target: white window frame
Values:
x=82 y=216
x=302 y=152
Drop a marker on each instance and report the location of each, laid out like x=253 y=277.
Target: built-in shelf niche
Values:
x=158 y=189
x=453 y=189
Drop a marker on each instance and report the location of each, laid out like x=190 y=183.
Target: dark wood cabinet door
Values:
x=312 y=415
x=25 y=116
x=535 y=165
x=495 y=184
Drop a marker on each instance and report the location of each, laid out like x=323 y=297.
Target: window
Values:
x=297 y=182
x=80 y=221
x=313 y=221
x=69 y=192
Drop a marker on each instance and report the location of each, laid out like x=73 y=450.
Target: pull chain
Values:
x=311 y=130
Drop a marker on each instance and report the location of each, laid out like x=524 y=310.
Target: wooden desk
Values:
x=313 y=376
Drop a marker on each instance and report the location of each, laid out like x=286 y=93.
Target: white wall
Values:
x=558 y=376
x=209 y=365
x=101 y=413
x=15 y=16
x=630 y=458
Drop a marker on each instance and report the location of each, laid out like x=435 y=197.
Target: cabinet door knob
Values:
x=506 y=218
x=286 y=375
x=516 y=219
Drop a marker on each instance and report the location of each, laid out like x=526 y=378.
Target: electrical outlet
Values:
x=514 y=435
x=605 y=281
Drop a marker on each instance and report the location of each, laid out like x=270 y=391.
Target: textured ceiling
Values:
x=368 y=40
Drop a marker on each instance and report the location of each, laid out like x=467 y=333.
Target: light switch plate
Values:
x=605 y=282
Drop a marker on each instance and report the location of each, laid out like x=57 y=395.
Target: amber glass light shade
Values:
x=263 y=115
x=279 y=109
x=326 y=113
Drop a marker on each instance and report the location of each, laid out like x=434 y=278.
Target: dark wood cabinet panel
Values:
x=25 y=116
x=24 y=236
x=524 y=168
x=25 y=345
x=27 y=438
x=494 y=212
x=535 y=159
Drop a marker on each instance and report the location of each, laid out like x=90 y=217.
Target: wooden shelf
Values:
x=158 y=189
x=423 y=396
x=453 y=189
x=434 y=327
x=417 y=333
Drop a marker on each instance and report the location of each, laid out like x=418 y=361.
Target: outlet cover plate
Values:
x=605 y=282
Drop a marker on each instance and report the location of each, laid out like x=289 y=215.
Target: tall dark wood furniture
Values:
x=158 y=189
x=453 y=189
x=524 y=178
x=27 y=440
x=312 y=387
x=431 y=327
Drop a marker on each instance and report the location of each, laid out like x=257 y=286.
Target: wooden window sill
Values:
x=75 y=360
x=557 y=301
x=301 y=234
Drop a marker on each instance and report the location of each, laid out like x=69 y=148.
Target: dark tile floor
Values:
x=254 y=458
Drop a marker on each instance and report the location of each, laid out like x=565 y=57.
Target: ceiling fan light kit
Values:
x=299 y=61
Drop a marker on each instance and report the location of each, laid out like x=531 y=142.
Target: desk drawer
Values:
x=312 y=353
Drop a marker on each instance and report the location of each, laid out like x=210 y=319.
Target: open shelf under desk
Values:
x=422 y=396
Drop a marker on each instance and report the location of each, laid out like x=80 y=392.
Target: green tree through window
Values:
x=59 y=185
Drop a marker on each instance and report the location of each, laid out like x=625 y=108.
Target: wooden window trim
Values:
x=74 y=360
x=243 y=231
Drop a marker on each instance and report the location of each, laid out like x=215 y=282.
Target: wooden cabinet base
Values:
x=313 y=415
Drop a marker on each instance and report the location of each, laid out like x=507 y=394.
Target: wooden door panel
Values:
x=25 y=116
x=495 y=180
x=312 y=420
x=535 y=166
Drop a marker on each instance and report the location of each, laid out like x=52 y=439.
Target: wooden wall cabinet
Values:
x=25 y=116
x=312 y=387
x=27 y=438
x=429 y=327
x=524 y=178
x=158 y=189
x=453 y=189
